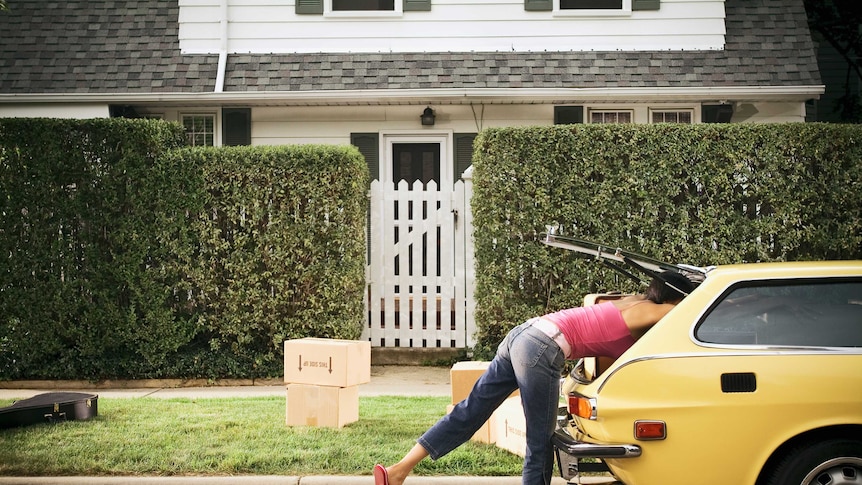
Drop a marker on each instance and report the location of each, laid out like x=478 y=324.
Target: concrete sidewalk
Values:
x=385 y=381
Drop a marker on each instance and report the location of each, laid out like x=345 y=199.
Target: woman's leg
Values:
x=538 y=362
x=399 y=471
x=452 y=430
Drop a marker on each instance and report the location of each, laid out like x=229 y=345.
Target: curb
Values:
x=278 y=480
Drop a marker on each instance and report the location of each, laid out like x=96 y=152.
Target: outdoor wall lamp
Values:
x=428 y=117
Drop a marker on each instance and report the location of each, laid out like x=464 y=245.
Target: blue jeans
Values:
x=528 y=360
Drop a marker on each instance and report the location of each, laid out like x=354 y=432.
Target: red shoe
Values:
x=381 y=476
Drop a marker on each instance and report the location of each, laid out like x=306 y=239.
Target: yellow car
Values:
x=754 y=378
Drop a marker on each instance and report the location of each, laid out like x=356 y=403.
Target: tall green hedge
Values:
x=277 y=252
x=77 y=299
x=697 y=194
x=124 y=255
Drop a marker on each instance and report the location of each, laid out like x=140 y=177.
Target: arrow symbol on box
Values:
x=300 y=362
x=330 y=365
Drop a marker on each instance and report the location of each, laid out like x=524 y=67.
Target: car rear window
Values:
x=825 y=313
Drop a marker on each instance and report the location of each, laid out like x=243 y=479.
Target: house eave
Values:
x=717 y=94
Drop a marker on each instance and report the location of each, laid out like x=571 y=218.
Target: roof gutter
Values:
x=716 y=94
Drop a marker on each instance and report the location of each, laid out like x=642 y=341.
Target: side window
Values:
x=685 y=116
x=200 y=129
x=611 y=116
x=822 y=313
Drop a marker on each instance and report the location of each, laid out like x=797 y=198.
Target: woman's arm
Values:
x=642 y=314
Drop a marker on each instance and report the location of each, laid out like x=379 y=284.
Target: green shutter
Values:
x=369 y=147
x=314 y=7
x=567 y=115
x=538 y=5
x=463 y=153
x=646 y=4
x=416 y=5
x=236 y=126
x=716 y=113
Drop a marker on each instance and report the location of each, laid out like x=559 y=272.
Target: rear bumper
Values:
x=570 y=453
x=564 y=442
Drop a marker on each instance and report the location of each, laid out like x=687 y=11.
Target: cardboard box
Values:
x=323 y=406
x=487 y=433
x=511 y=426
x=464 y=375
x=327 y=362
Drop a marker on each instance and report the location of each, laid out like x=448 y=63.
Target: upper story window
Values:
x=591 y=8
x=373 y=5
x=812 y=313
x=200 y=129
x=672 y=116
x=610 y=116
x=362 y=8
x=591 y=4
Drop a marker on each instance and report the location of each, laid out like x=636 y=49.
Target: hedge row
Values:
x=124 y=255
x=696 y=194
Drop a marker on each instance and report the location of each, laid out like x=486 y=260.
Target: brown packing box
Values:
x=464 y=375
x=322 y=406
x=487 y=433
x=327 y=362
x=511 y=426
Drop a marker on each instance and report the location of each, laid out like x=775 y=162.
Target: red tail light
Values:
x=583 y=407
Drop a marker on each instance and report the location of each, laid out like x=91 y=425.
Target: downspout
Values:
x=222 y=53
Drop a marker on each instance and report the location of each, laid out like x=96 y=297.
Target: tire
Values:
x=829 y=462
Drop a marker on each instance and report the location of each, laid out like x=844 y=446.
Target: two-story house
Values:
x=410 y=82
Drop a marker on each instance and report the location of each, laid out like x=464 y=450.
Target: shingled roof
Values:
x=117 y=46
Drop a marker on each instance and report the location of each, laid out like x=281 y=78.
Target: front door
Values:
x=413 y=288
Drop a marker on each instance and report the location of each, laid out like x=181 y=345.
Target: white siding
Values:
x=52 y=110
x=261 y=26
x=333 y=125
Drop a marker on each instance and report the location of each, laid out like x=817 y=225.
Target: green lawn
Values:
x=148 y=436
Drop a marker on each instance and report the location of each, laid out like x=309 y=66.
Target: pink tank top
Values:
x=595 y=330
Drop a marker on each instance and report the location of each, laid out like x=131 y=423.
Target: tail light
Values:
x=583 y=407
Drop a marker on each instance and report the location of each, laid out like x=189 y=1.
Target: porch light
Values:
x=427 y=117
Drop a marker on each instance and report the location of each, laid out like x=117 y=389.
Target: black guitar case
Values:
x=50 y=407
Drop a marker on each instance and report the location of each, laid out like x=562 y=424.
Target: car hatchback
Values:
x=754 y=378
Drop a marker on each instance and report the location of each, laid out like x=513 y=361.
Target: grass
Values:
x=237 y=436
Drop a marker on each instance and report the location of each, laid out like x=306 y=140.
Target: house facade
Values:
x=410 y=82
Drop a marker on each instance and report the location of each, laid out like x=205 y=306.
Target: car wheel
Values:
x=831 y=462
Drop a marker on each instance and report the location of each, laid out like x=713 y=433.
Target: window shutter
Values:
x=646 y=4
x=314 y=7
x=538 y=5
x=368 y=146
x=716 y=113
x=567 y=115
x=463 y=153
x=416 y=5
x=236 y=126
x=367 y=143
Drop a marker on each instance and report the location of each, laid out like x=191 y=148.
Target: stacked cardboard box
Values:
x=322 y=378
x=463 y=377
x=511 y=426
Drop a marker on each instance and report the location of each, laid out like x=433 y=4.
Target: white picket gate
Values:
x=419 y=271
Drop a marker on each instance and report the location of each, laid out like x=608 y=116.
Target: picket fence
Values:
x=420 y=266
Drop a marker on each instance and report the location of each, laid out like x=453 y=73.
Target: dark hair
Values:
x=669 y=286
